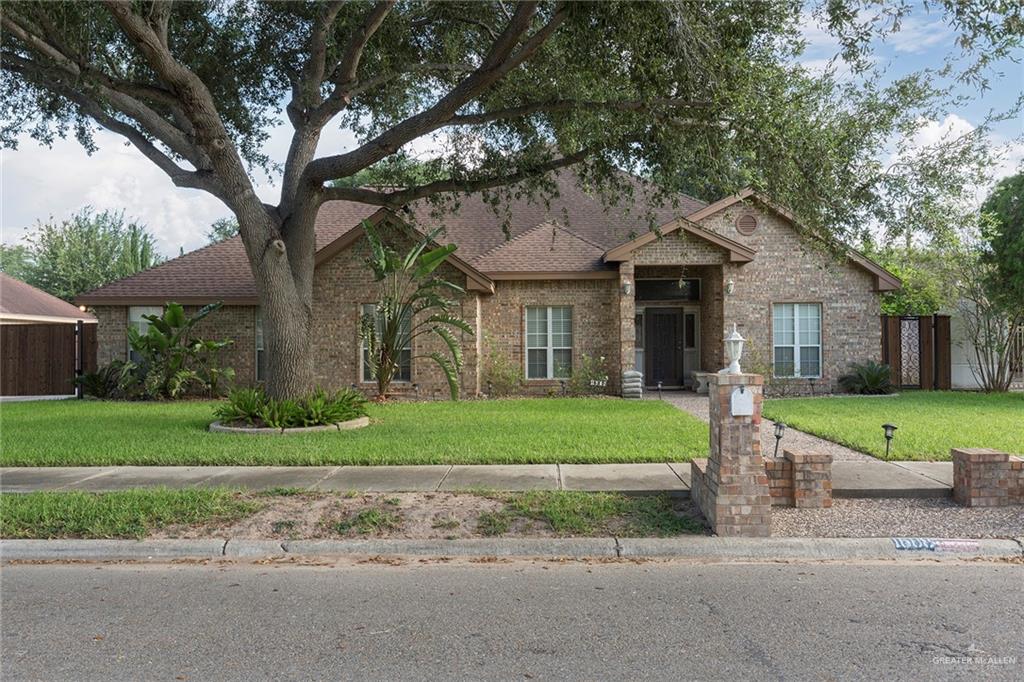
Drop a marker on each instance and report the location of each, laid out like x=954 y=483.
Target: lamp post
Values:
x=416 y=391
x=562 y=384
x=780 y=430
x=733 y=351
x=490 y=389
x=890 y=431
x=659 y=391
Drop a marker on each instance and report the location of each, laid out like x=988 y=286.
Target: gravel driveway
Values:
x=697 y=405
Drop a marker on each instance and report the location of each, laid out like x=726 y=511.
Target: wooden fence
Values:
x=43 y=359
x=917 y=349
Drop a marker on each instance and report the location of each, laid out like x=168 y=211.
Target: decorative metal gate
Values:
x=910 y=352
x=917 y=349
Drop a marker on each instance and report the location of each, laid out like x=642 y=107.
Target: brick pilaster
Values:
x=983 y=477
x=731 y=487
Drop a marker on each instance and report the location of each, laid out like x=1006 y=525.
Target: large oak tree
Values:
x=696 y=96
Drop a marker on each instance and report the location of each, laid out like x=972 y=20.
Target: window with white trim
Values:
x=261 y=356
x=140 y=324
x=549 y=342
x=404 y=372
x=796 y=330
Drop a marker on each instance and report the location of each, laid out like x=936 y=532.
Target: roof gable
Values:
x=547 y=248
x=738 y=253
x=884 y=280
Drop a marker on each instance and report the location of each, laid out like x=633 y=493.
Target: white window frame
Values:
x=135 y=313
x=364 y=367
x=797 y=345
x=258 y=343
x=549 y=345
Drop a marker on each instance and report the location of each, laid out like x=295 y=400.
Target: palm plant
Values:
x=412 y=303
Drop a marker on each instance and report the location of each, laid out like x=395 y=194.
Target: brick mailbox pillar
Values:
x=731 y=485
x=987 y=478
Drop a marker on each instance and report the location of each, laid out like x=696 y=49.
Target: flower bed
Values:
x=357 y=423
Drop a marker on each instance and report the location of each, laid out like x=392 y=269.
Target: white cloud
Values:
x=918 y=34
x=36 y=183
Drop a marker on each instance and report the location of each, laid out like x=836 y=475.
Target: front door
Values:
x=663 y=349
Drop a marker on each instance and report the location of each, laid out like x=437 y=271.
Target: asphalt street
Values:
x=512 y=620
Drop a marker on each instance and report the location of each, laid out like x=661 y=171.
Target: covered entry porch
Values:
x=677 y=323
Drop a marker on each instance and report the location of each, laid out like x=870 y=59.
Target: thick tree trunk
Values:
x=282 y=267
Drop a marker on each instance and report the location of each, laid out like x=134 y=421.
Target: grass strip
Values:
x=121 y=514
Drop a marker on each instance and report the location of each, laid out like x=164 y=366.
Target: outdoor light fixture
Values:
x=811 y=382
x=562 y=384
x=82 y=308
x=416 y=390
x=733 y=351
x=780 y=430
x=730 y=286
x=890 y=431
x=490 y=389
x=627 y=288
x=659 y=390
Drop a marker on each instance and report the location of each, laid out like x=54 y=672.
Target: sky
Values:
x=37 y=183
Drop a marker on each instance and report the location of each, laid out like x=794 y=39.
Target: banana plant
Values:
x=413 y=303
x=166 y=350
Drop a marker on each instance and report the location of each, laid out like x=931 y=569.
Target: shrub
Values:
x=107 y=382
x=501 y=377
x=174 y=363
x=590 y=377
x=253 y=407
x=869 y=378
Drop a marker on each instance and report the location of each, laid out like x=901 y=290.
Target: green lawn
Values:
x=567 y=430
x=929 y=422
x=121 y=514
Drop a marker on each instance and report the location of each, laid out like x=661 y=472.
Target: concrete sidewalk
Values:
x=849 y=479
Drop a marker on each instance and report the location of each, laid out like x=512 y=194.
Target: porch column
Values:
x=627 y=318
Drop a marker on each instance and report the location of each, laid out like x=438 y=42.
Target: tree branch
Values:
x=560 y=105
x=500 y=59
x=399 y=198
x=93 y=109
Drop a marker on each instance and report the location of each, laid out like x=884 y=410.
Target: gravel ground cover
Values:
x=899 y=518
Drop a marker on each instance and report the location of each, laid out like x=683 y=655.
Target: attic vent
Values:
x=746 y=224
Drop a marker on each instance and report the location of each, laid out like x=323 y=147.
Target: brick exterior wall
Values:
x=785 y=270
x=341 y=286
x=234 y=322
x=595 y=321
x=603 y=319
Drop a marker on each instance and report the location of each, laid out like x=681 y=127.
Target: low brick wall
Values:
x=987 y=478
x=800 y=479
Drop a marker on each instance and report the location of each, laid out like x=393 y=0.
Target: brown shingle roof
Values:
x=20 y=301
x=221 y=271
x=548 y=247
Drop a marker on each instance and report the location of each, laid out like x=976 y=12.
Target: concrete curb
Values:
x=698 y=548
x=357 y=423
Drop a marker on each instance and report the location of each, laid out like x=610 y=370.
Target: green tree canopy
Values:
x=687 y=93
x=69 y=257
x=1004 y=237
x=16 y=261
x=221 y=229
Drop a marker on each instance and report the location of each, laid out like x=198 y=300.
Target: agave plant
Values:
x=413 y=302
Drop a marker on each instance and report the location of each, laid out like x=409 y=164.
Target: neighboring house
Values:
x=40 y=341
x=22 y=303
x=574 y=278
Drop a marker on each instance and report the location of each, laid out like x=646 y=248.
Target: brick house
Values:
x=571 y=278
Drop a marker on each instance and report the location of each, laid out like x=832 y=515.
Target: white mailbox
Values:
x=741 y=403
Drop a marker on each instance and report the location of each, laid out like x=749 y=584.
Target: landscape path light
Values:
x=780 y=430
x=890 y=431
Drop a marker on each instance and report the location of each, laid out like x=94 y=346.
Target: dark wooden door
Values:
x=664 y=346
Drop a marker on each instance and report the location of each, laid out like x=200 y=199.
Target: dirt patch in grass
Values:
x=451 y=516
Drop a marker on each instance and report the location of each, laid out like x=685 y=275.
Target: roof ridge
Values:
x=161 y=264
